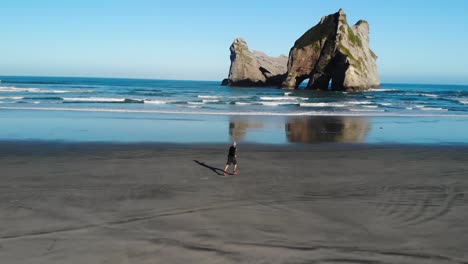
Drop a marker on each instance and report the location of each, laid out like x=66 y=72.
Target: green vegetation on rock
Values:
x=346 y=52
x=357 y=63
x=353 y=38
x=317 y=33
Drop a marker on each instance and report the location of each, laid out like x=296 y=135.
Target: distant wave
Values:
x=210 y=101
x=426 y=108
x=370 y=106
x=28 y=102
x=100 y=100
x=279 y=98
x=322 y=105
x=208 y=96
x=365 y=110
x=356 y=112
x=242 y=103
x=359 y=102
x=37 y=90
x=337 y=104
x=35 y=82
x=278 y=103
x=429 y=95
x=155 y=102
x=381 y=90
x=11 y=97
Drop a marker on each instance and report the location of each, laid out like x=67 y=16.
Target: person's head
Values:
x=234 y=143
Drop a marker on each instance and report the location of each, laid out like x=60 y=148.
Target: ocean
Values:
x=128 y=110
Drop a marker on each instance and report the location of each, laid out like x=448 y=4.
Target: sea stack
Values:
x=254 y=68
x=332 y=55
x=332 y=51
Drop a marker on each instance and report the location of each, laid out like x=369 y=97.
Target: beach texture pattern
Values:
x=154 y=204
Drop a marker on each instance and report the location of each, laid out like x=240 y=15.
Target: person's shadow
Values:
x=215 y=170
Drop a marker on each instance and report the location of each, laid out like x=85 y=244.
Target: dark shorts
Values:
x=231 y=160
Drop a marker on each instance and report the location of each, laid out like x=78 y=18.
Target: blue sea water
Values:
x=135 y=110
x=208 y=97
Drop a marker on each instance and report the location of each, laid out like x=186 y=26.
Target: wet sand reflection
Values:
x=327 y=129
x=305 y=129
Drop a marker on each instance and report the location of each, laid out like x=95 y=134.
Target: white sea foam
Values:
x=210 y=101
x=380 y=90
x=287 y=93
x=209 y=96
x=37 y=90
x=155 y=102
x=94 y=99
x=463 y=101
x=359 y=102
x=429 y=95
x=278 y=103
x=11 y=97
x=386 y=104
x=426 y=108
x=356 y=112
x=370 y=106
x=434 y=109
x=280 y=98
x=242 y=103
x=14 y=89
x=322 y=105
x=195 y=103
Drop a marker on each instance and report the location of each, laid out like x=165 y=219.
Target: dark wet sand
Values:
x=62 y=203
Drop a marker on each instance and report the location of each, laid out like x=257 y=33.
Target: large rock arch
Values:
x=332 y=50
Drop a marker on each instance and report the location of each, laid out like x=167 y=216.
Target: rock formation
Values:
x=331 y=52
x=254 y=68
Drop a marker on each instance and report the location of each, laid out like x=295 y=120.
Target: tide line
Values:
x=309 y=113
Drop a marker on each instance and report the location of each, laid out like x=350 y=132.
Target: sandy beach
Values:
x=324 y=203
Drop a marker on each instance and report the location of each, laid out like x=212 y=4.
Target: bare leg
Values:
x=235 y=169
x=225 y=169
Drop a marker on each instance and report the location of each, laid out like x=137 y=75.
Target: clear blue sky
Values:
x=417 y=41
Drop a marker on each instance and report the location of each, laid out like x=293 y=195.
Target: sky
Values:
x=417 y=41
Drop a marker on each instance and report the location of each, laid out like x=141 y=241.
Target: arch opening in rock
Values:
x=302 y=85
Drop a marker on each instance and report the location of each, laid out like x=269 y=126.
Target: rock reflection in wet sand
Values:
x=238 y=127
x=304 y=129
x=326 y=129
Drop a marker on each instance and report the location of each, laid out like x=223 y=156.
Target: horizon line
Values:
x=196 y=80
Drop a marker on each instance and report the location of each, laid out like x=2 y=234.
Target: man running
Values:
x=231 y=159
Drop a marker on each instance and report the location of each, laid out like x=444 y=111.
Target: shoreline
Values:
x=206 y=129
x=252 y=114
